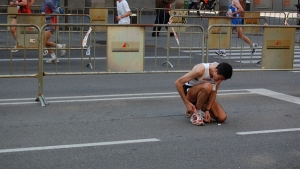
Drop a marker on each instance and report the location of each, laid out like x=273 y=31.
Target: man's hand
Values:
x=190 y=108
x=12 y=3
x=207 y=116
x=118 y=18
x=229 y=13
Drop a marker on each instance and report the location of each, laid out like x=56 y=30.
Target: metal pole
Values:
x=115 y=11
x=66 y=5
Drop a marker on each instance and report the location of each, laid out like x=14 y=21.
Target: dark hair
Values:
x=225 y=69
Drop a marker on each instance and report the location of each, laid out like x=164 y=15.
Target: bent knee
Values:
x=207 y=87
x=222 y=119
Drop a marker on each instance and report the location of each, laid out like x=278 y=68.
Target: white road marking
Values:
x=78 y=145
x=268 y=131
x=22 y=101
x=264 y=92
x=96 y=58
x=276 y=95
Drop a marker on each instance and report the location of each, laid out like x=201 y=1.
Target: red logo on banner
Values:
x=256 y=2
x=277 y=43
x=287 y=3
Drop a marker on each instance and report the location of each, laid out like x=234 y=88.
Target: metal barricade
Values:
x=148 y=15
x=109 y=12
x=276 y=50
x=272 y=17
x=292 y=20
x=11 y=63
x=97 y=45
x=124 y=49
x=206 y=21
x=23 y=64
x=133 y=47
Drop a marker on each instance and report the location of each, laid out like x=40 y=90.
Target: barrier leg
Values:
x=167 y=62
x=42 y=100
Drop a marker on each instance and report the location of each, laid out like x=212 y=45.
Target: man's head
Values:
x=225 y=70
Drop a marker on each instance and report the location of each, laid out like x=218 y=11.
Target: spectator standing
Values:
x=124 y=12
x=194 y=3
x=162 y=16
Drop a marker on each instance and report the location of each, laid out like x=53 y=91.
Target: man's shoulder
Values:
x=198 y=69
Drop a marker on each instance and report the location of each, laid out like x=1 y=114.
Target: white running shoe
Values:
x=188 y=114
x=14 y=50
x=221 y=52
x=254 y=46
x=63 y=51
x=52 y=60
x=45 y=52
x=197 y=119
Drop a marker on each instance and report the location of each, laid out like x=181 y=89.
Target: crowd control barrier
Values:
x=148 y=15
x=277 y=48
x=104 y=14
x=127 y=49
x=21 y=65
x=272 y=17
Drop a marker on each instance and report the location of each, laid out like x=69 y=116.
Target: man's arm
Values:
x=51 y=6
x=212 y=98
x=196 y=72
x=128 y=12
x=22 y=3
x=239 y=6
x=30 y=3
x=127 y=9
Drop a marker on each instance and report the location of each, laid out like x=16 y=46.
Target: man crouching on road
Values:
x=198 y=89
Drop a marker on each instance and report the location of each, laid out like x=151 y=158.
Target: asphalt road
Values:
x=138 y=121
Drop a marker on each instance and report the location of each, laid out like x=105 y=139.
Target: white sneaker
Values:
x=52 y=60
x=254 y=46
x=188 y=114
x=197 y=119
x=221 y=52
x=14 y=50
x=45 y=52
x=63 y=51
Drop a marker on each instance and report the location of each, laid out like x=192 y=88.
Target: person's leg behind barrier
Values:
x=246 y=39
x=49 y=44
x=13 y=31
x=159 y=20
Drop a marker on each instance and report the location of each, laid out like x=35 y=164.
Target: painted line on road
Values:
x=22 y=101
x=276 y=95
x=78 y=145
x=268 y=131
x=97 y=58
x=264 y=92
